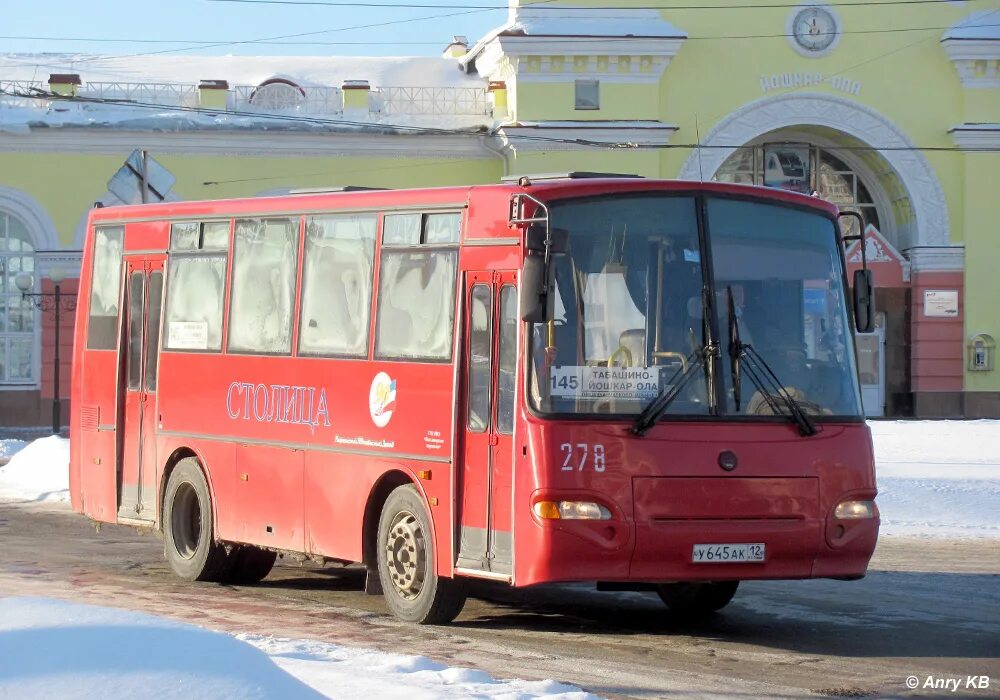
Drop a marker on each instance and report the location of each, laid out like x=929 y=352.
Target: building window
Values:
x=588 y=94
x=806 y=169
x=17 y=318
x=277 y=94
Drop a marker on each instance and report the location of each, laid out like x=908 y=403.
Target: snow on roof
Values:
x=984 y=25
x=419 y=71
x=581 y=21
x=571 y=21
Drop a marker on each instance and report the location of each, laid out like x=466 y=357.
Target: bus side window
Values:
x=104 y=285
x=507 y=361
x=153 y=328
x=136 y=304
x=416 y=296
x=337 y=285
x=263 y=286
x=196 y=286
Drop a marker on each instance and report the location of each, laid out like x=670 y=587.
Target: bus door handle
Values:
x=494 y=439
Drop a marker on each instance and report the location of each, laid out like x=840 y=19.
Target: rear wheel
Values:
x=189 y=543
x=697 y=599
x=406 y=563
x=250 y=564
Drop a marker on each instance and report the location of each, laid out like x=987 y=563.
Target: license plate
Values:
x=723 y=553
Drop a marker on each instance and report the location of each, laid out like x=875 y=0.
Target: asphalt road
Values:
x=928 y=608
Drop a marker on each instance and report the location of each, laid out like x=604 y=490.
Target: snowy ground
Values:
x=52 y=648
x=936 y=479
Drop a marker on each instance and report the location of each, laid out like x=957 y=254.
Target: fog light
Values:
x=855 y=510
x=571 y=510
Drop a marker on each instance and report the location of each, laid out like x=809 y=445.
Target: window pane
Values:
x=263 y=285
x=184 y=236
x=588 y=94
x=19 y=359
x=416 y=305
x=194 y=303
x=215 y=236
x=401 y=229
x=21 y=314
x=442 y=228
x=480 y=353
x=337 y=285
x=153 y=328
x=135 y=319
x=507 y=361
x=101 y=328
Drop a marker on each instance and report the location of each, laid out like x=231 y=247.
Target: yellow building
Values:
x=892 y=111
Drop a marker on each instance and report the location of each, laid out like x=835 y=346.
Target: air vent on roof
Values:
x=327 y=190
x=526 y=180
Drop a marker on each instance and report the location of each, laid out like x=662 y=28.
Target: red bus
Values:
x=644 y=384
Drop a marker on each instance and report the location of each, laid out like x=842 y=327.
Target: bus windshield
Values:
x=632 y=296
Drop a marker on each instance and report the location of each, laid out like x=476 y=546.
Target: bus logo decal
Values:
x=278 y=403
x=382 y=399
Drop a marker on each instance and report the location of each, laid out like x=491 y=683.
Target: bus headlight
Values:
x=855 y=510
x=571 y=510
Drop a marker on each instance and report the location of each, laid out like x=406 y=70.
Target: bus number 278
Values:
x=579 y=456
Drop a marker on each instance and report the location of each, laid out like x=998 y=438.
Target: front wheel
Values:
x=406 y=563
x=188 y=540
x=692 y=599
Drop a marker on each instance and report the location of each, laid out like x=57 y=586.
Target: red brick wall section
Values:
x=937 y=349
x=67 y=319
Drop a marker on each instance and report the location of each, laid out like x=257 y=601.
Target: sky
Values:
x=412 y=32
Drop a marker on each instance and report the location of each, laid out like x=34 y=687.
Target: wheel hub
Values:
x=405 y=555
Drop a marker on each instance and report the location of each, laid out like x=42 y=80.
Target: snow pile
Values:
x=38 y=472
x=52 y=648
x=342 y=672
x=8 y=448
x=938 y=478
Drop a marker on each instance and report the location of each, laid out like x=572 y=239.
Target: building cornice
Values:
x=976 y=136
x=976 y=60
x=561 y=136
x=262 y=144
x=562 y=58
x=935 y=258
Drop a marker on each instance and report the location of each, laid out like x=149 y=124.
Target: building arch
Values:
x=930 y=210
x=32 y=215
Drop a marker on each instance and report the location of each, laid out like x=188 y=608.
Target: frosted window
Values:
x=401 y=229
x=416 y=305
x=260 y=318
x=195 y=292
x=442 y=228
x=337 y=285
x=104 y=285
x=200 y=236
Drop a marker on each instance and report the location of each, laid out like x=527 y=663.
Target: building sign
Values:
x=787 y=81
x=941 y=302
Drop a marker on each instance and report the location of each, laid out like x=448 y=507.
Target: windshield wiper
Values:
x=655 y=408
x=758 y=370
x=700 y=357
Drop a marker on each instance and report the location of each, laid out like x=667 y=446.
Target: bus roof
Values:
x=436 y=197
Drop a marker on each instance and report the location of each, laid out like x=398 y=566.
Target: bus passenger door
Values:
x=486 y=479
x=137 y=387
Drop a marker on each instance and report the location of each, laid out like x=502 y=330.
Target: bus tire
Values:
x=250 y=564
x=188 y=539
x=690 y=599
x=406 y=563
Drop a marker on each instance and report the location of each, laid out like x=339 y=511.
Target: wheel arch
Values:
x=386 y=484
x=175 y=458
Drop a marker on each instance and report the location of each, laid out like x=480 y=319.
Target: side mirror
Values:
x=534 y=297
x=864 y=301
x=534 y=240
